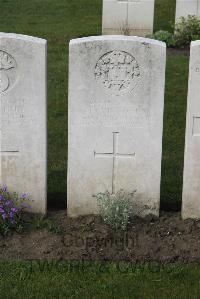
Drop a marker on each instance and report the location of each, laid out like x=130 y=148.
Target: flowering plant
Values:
x=116 y=209
x=12 y=207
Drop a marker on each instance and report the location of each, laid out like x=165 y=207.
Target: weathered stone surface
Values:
x=191 y=179
x=128 y=17
x=23 y=122
x=187 y=7
x=116 y=97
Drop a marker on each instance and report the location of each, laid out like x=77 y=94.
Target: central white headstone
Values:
x=116 y=97
x=23 y=121
x=128 y=17
x=187 y=7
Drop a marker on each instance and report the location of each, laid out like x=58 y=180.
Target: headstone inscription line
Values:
x=114 y=155
x=8 y=153
x=115 y=120
x=23 y=117
x=5 y=153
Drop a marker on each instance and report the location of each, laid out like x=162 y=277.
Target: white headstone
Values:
x=191 y=179
x=116 y=97
x=187 y=7
x=23 y=121
x=128 y=17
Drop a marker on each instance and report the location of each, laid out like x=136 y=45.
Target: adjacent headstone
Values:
x=128 y=17
x=23 y=121
x=116 y=97
x=187 y=7
x=191 y=179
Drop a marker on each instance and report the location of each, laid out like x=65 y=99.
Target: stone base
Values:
x=129 y=32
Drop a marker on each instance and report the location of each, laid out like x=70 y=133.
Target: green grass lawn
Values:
x=59 y=21
x=40 y=280
x=164 y=15
x=174 y=127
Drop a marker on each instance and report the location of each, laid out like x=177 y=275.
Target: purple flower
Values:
x=25 y=205
x=12 y=214
x=9 y=203
x=14 y=210
x=4 y=216
x=2 y=210
x=11 y=206
x=4 y=189
x=23 y=196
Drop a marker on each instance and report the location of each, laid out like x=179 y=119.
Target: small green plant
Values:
x=124 y=28
x=41 y=222
x=12 y=208
x=116 y=209
x=164 y=36
x=186 y=30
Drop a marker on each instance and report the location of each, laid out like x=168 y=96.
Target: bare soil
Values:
x=165 y=240
x=178 y=51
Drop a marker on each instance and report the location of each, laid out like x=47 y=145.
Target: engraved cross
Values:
x=114 y=155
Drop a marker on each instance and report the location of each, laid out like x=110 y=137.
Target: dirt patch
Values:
x=176 y=51
x=167 y=239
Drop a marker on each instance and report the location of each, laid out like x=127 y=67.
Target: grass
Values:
x=164 y=15
x=59 y=21
x=97 y=281
x=174 y=127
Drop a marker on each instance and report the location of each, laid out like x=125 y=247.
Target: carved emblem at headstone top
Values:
x=8 y=67
x=118 y=71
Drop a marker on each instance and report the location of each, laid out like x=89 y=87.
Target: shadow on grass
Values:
x=57 y=201
x=170 y=206
x=174 y=129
